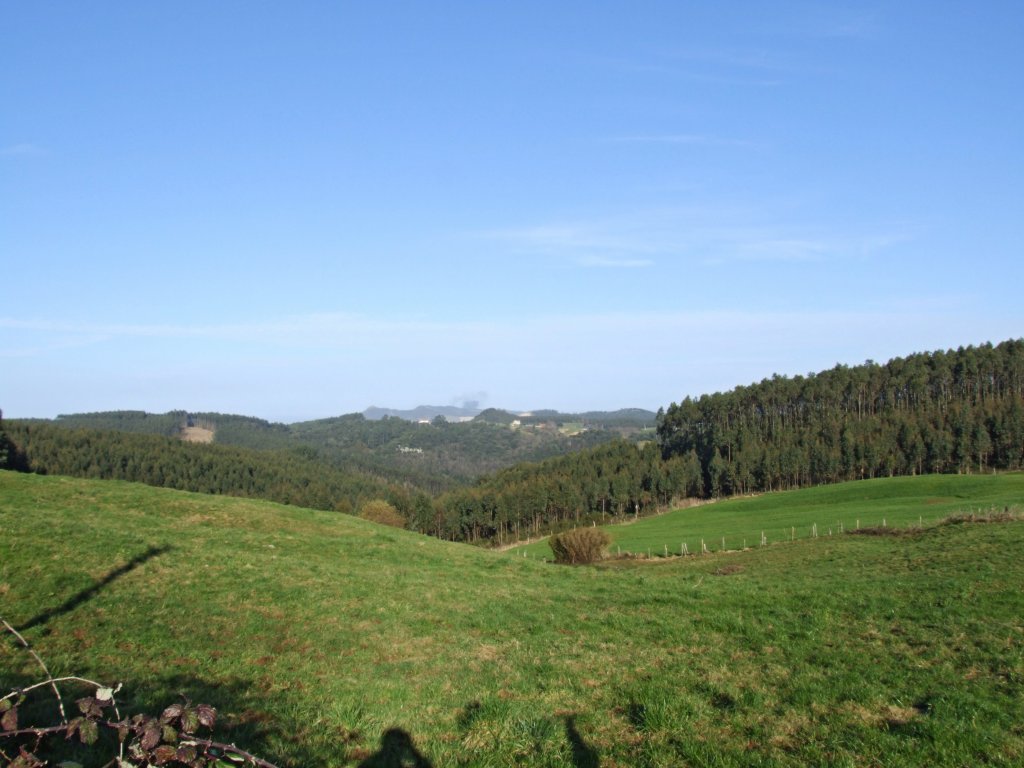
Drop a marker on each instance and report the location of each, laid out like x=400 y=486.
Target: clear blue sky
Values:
x=297 y=210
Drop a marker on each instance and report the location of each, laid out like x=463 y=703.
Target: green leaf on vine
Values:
x=88 y=732
x=189 y=721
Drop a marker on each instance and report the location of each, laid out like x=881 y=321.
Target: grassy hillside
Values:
x=896 y=501
x=315 y=632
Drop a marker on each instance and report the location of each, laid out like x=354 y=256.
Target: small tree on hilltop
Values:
x=579 y=546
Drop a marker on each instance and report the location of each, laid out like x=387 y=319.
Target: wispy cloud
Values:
x=318 y=364
x=714 y=65
x=827 y=23
x=695 y=74
x=575 y=241
x=600 y=261
x=22 y=150
x=692 y=139
x=705 y=235
x=334 y=330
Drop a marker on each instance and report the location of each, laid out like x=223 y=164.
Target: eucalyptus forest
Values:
x=956 y=411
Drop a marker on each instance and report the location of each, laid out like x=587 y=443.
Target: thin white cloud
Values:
x=57 y=345
x=785 y=249
x=335 y=330
x=600 y=261
x=828 y=23
x=719 y=66
x=22 y=150
x=715 y=78
x=693 y=139
x=327 y=363
x=700 y=234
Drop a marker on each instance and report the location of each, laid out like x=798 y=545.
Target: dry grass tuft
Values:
x=580 y=545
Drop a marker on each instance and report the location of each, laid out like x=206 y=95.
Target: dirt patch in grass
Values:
x=888 y=716
x=727 y=570
x=895 y=717
x=881 y=530
x=487 y=652
x=1007 y=515
x=197 y=435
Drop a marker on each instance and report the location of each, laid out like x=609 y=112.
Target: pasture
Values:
x=896 y=502
x=316 y=634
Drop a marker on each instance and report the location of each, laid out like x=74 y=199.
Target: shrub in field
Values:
x=380 y=511
x=581 y=545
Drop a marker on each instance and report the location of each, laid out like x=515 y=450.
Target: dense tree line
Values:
x=600 y=484
x=430 y=457
x=296 y=477
x=955 y=411
x=632 y=419
x=168 y=424
x=8 y=450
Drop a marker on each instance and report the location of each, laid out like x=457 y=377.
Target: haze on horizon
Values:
x=295 y=212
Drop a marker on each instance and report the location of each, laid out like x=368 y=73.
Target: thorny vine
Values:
x=169 y=739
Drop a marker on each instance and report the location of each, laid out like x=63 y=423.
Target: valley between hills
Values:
x=807 y=571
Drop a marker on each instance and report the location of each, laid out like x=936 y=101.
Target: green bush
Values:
x=380 y=511
x=581 y=545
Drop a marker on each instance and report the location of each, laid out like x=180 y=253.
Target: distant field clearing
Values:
x=197 y=435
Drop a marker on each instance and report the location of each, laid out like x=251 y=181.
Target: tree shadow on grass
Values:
x=87 y=594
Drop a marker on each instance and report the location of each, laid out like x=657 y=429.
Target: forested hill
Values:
x=952 y=411
x=955 y=411
x=431 y=457
x=296 y=476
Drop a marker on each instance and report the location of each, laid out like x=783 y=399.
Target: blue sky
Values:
x=297 y=210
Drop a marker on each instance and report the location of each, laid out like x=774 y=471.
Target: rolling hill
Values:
x=316 y=635
x=430 y=457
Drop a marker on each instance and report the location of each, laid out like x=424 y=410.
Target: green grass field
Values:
x=898 y=501
x=314 y=633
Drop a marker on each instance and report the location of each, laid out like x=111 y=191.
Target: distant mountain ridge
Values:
x=635 y=417
x=432 y=457
x=422 y=413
